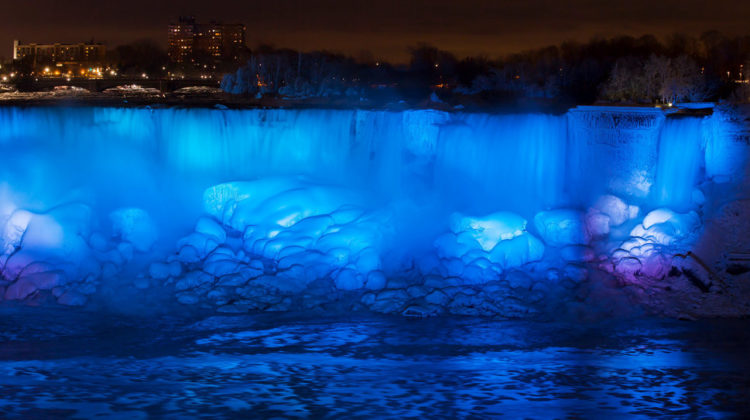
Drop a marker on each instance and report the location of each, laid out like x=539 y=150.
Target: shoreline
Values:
x=234 y=102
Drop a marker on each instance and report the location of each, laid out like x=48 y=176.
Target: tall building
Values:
x=205 y=43
x=58 y=54
x=181 y=40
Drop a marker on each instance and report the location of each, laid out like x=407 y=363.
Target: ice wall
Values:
x=680 y=161
x=237 y=207
x=615 y=145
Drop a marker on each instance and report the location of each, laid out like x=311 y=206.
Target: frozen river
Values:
x=83 y=365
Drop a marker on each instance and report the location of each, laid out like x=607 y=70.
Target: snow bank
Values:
x=132 y=90
x=198 y=90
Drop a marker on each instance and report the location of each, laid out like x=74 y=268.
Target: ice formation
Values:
x=58 y=250
x=281 y=234
x=414 y=212
x=478 y=249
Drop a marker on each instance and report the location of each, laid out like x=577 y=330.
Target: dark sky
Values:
x=384 y=27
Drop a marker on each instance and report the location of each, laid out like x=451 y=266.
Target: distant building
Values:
x=205 y=43
x=59 y=54
x=181 y=40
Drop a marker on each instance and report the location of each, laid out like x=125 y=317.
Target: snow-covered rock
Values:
x=653 y=243
x=133 y=90
x=617 y=210
x=55 y=252
x=608 y=212
x=478 y=248
x=561 y=227
x=303 y=231
x=161 y=271
x=491 y=229
x=665 y=227
x=210 y=228
x=597 y=224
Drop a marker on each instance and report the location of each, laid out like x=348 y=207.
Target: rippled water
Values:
x=77 y=364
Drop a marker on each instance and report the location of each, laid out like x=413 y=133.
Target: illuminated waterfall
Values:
x=681 y=158
x=212 y=199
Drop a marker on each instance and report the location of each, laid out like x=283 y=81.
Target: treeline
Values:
x=620 y=69
x=295 y=74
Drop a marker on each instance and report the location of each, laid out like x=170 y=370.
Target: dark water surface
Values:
x=84 y=365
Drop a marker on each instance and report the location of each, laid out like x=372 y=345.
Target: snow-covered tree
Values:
x=658 y=79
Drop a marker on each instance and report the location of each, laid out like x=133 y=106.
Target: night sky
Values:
x=385 y=27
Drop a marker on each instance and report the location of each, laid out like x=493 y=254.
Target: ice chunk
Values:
x=664 y=226
x=273 y=201
x=195 y=247
x=597 y=224
x=657 y=216
x=662 y=234
x=209 y=227
x=348 y=279
x=44 y=233
x=161 y=271
x=12 y=232
x=368 y=260
x=20 y=290
x=561 y=227
x=517 y=251
x=222 y=267
x=193 y=279
x=614 y=207
x=450 y=245
x=480 y=247
x=56 y=237
x=628 y=267
x=311 y=231
x=491 y=229
x=376 y=280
